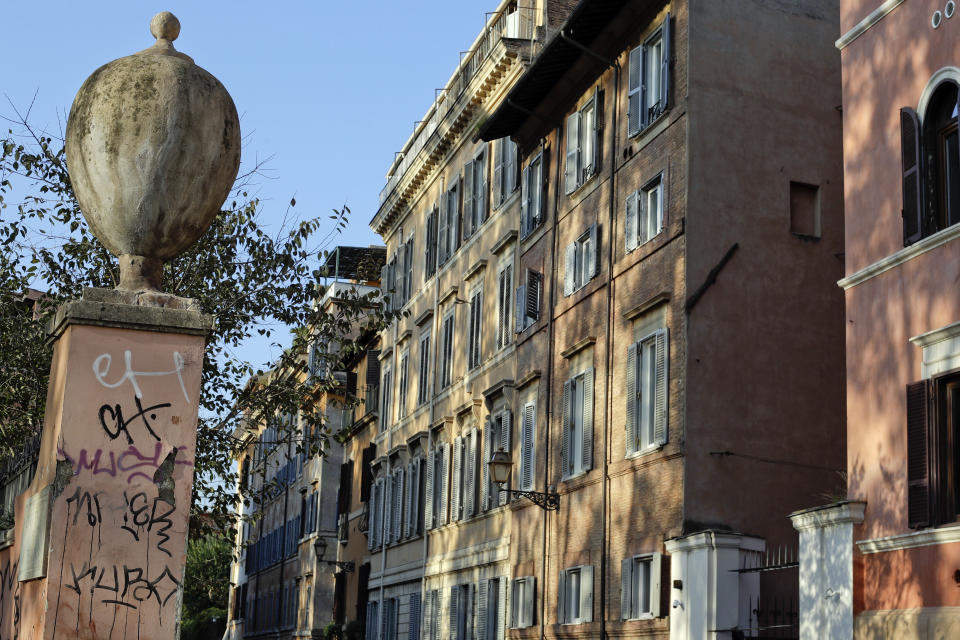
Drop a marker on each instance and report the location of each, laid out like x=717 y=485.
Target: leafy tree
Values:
x=250 y=279
x=206 y=587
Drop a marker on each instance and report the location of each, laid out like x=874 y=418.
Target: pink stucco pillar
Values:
x=102 y=530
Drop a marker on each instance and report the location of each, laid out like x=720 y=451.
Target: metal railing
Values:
x=517 y=22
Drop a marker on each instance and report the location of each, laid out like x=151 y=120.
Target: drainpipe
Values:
x=548 y=312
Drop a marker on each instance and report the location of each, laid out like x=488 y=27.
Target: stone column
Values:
x=104 y=533
x=826 y=569
x=708 y=598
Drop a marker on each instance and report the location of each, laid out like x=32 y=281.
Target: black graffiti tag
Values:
x=133 y=584
x=111 y=419
x=92 y=502
x=155 y=517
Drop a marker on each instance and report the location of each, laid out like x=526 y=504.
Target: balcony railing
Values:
x=516 y=22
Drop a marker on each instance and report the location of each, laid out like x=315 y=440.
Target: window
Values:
x=575 y=604
x=423 y=379
x=373 y=621
x=474 y=193
x=522 y=598
x=504 y=293
x=644 y=214
x=402 y=391
x=396 y=506
x=931 y=165
x=577 y=446
x=640 y=587
x=649 y=80
x=531 y=196
x=438 y=470
x=497 y=435
x=413 y=617
x=504 y=170
x=491 y=604
x=527 y=453
x=580 y=265
x=388 y=284
x=386 y=404
x=933 y=451
x=461 y=612
x=406 y=272
x=528 y=300
x=647 y=365
x=462 y=499
x=583 y=140
x=316 y=359
x=413 y=524
x=448 y=237
x=430 y=254
x=446 y=356
x=476 y=322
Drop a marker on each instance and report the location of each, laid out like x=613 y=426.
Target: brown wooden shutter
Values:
x=918 y=462
x=910 y=150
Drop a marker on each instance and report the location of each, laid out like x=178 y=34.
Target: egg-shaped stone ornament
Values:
x=153 y=148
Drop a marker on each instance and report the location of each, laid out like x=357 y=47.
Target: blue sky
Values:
x=329 y=90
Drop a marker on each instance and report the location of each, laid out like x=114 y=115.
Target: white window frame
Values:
x=523 y=598
x=531 y=196
x=648 y=80
x=583 y=142
x=634 y=583
x=644 y=213
x=581 y=260
x=575 y=595
x=647 y=391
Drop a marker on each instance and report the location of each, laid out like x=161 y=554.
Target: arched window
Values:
x=931 y=164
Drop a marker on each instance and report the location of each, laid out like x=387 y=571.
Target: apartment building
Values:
x=882 y=563
x=680 y=354
x=285 y=576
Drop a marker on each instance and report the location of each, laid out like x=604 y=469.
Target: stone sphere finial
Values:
x=165 y=26
x=153 y=148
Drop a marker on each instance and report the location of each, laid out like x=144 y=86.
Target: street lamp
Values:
x=500 y=466
x=320 y=547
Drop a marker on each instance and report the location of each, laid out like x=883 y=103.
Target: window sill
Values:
x=646 y=242
x=640 y=453
x=650 y=126
x=924 y=538
x=510 y=199
x=900 y=257
x=574 y=476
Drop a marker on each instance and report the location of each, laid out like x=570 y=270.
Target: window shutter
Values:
x=456 y=213
x=539 y=186
x=626 y=588
x=588 y=419
x=661 y=397
x=442 y=232
x=656 y=569
x=534 y=288
x=502 y=310
x=498 y=177
x=454 y=597
x=510 y=167
x=481 y=633
x=565 y=428
x=373 y=370
x=484 y=471
x=910 y=151
x=519 y=308
x=480 y=182
x=635 y=69
x=457 y=477
x=468 y=199
x=918 y=465
x=384 y=285
x=529 y=598
x=631 y=426
x=400 y=275
x=398 y=509
x=527 y=459
x=388 y=509
x=408 y=497
x=413 y=624
x=665 y=66
x=428 y=493
x=471 y=470
x=525 y=225
x=562 y=598
x=586 y=594
x=572 y=169
x=502 y=608
x=408 y=282
x=569 y=265
x=593 y=254
x=595 y=161
x=630 y=223
x=506 y=440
